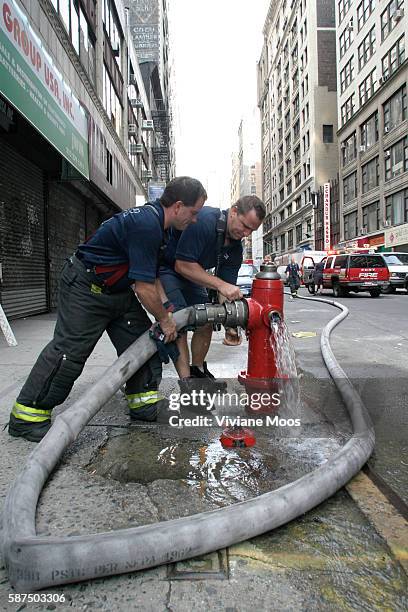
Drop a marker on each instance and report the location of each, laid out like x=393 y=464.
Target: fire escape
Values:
x=161 y=152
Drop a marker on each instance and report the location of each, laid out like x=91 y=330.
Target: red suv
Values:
x=355 y=272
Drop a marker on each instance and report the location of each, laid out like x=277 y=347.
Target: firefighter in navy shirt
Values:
x=187 y=257
x=96 y=295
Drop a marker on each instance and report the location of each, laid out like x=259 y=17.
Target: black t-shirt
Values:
x=198 y=244
x=135 y=237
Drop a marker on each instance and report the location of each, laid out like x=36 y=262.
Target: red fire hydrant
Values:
x=265 y=305
x=264 y=308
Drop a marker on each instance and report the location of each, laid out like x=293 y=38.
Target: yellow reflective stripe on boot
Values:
x=139 y=400
x=27 y=413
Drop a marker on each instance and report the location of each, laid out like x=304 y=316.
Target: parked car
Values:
x=398 y=266
x=245 y=278
x=355 y=272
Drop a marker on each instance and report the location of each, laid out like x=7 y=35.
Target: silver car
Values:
x=245 y=278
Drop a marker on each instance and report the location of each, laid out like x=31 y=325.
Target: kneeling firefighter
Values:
x=213 y=242
x=96 y=295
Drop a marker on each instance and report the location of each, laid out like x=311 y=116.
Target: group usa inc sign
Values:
x=32 y=84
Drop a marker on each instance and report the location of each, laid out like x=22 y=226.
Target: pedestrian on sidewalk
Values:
x=293 y=276
x=104 y=287
x=318 y=277
x=213 y=242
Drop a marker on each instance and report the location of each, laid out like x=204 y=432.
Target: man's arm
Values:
x=196 y=273
x=149 y=296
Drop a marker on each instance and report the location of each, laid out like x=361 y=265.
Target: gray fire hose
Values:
x=35 y=562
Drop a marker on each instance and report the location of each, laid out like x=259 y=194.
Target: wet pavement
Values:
x=119 y=474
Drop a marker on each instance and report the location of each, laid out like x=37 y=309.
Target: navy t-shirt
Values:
x=134 y=236
x=198 y=244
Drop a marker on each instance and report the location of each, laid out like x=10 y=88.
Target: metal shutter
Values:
x=22 y=235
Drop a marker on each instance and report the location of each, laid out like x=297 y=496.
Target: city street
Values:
x=346 y=554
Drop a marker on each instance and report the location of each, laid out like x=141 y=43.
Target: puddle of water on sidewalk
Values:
x=222 y=476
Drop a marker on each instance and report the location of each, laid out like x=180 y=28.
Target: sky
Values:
x=216 y=45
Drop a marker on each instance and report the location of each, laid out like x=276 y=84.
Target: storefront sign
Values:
x=396 y=235
x=326 y=215
x=155 y=190
x=30 y=81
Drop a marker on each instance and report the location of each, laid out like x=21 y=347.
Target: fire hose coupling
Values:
x=230 y=314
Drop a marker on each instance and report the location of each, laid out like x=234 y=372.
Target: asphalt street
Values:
x=335 y=557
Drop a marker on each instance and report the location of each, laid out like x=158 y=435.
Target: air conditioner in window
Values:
x=343 y=146
x=386 y=129
x=398 y=14
x=350 y=26
x=382 y=79
x=387 y=153
x=147 y=124
x=132 y=80
x=134 y=149
x=132 y=128
x=136 y=103
x=363 y=230
x=387 y=223
x=115 y=49
x=362 y=148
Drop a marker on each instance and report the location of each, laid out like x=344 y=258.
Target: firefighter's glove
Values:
x=166 y=351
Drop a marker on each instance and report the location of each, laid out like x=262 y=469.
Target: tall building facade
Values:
x=246 y=178
x=77 y=137
x=373 y=122
x=297 y=98
x=148 y=22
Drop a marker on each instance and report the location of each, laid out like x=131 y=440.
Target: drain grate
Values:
x=213 y=566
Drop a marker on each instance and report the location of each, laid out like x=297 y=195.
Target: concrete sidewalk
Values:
x=329 y=559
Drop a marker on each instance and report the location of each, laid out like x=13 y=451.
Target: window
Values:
x=327 y=133
x=109 y=169
x=364 y=10
x=290 y=238
x=298 y=233
x=111 y=102
x=389 y=19
x=296 y=105
x=287 y=142
x=297 y=154
x=396 y=159
x=370 y=175
x=298 y=178
x=281 y=175
x=287 y=120
x=367 y=87
x=347 y=110
x=350 y=226
x=298 y=203
x=282 y=241
x=296 y=130
x=349 y=149
x=350 y=187
x=347 y=74
x=281 y=196
x=371 y=217
x=288 y=166
x=395 y=109
x=346 y=38
x=369 y=131
x=81 y=35
x=396 y=207
x=343 y=6
x=366 y=49
x=289 y=187
x=394 y=58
